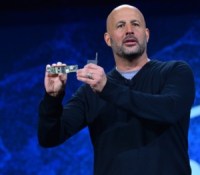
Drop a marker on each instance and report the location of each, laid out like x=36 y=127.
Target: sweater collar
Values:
x=114 y=74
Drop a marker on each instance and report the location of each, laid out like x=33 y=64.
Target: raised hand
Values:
x=55 y=83
x=93 y=75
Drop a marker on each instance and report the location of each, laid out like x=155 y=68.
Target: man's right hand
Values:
x=55 y=83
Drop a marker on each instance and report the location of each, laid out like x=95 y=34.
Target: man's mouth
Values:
x=130 y=41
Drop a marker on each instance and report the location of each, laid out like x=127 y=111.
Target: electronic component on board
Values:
x=69 y=68
x=62 y=69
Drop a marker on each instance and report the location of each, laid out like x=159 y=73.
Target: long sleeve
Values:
x=58 y=123
x=50 y=110
x=173 y=100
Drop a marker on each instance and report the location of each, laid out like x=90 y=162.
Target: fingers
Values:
x=87 y=74
x=92 y=75
x=59 y=64
x=56 y=64
x=89 y=71
x=91 y=66
x=54 y=82
x=48 y=66
x=86 y=77
x=61 y=77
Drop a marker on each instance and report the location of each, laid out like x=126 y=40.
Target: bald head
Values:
x=121 y=12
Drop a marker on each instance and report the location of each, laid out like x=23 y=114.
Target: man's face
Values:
x=127 y=33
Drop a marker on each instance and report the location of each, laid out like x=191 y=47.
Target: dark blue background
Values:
x=30 y=39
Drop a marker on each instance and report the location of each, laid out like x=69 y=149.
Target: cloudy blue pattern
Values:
x=73 y=43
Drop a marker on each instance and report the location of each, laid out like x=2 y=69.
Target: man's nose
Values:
x=129 y=29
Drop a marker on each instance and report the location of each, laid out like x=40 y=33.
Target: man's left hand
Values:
x=93 y=75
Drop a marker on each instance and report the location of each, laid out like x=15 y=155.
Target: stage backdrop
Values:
x=26 y=47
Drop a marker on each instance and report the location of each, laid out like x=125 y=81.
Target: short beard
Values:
x=131 y=55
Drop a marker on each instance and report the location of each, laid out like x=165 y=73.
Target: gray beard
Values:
x=131 y=56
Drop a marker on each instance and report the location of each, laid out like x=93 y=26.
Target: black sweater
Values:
x=137 y=126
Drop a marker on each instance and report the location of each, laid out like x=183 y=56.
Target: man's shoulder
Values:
x=170 y=64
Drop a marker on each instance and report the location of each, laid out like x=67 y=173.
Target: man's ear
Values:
x=107 y=39
x=147 y=34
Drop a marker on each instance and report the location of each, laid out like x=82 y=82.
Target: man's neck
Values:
x=126 y=65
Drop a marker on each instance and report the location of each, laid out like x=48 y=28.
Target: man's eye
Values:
x=120 y=26
x=135 y=24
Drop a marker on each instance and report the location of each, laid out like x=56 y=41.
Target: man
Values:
x=138 y=114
